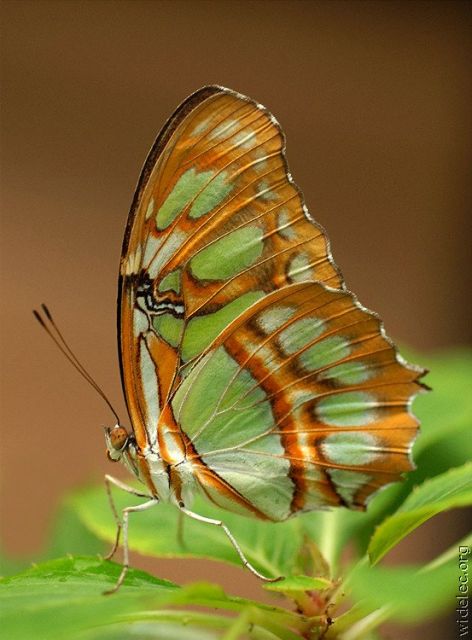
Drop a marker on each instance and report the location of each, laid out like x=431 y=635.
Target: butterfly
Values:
x=251 y=373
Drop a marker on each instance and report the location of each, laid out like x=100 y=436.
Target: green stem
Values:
x=238 y=627
x=253 y=621
x=449 y=554
x=251 y=617
x=364 y=626
x=327 y=539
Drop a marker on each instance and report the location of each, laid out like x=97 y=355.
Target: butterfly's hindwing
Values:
x=306 y=404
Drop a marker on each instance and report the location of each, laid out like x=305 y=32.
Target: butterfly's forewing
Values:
x=216 y=225
x=306 y=406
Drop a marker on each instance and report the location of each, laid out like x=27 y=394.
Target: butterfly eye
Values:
x=118 y=438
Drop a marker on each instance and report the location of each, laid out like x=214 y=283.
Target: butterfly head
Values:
x=118 y=440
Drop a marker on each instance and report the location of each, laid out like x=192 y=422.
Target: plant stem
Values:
x=327 y=540
x=361 y=628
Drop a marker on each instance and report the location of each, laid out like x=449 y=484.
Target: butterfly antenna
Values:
x=49 y=325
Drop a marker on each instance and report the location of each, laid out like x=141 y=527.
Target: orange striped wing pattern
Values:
x=249 y=370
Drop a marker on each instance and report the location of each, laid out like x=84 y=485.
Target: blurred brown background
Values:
x=375 y=101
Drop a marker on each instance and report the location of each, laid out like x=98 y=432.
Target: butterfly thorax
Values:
x=168 y=477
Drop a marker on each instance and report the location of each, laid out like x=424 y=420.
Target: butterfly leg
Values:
x=219 y=523
x=109 y=480
x=126 y=512
x=180 y=530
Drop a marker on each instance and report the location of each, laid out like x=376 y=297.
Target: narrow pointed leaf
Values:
x=444 y=492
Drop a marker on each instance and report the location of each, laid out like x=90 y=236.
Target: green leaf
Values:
x=64 y=599
x=446 y=411
x=406 y=594
x=402 y=593
x=449 y=490
x=446 y=416
x=60 y=598
x=70 y=536
x=270 y=547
